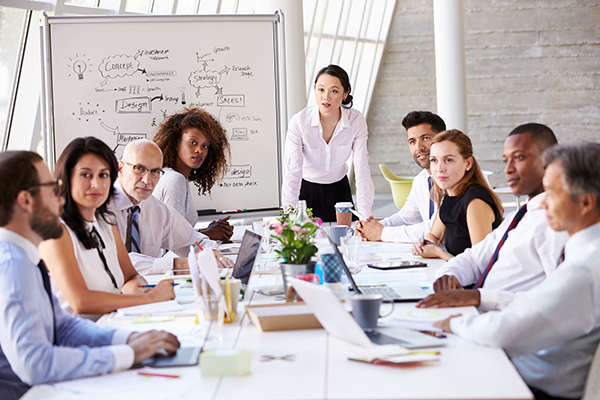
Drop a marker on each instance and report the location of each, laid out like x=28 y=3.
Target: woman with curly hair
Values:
x=195 y=148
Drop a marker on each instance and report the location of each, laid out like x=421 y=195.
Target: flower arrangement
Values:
x=296 y=239
x=287 y=214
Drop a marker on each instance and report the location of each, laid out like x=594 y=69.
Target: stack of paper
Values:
x=160 y=308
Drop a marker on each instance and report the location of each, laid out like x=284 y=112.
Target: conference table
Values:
x=306 y=364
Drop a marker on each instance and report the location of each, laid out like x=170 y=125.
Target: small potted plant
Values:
x=296 y=238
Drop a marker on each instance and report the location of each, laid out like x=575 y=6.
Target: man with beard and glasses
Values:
x=418 y=213
x=39 y=342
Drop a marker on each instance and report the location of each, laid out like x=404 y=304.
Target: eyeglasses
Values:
x=56 y=186
x=139 y=169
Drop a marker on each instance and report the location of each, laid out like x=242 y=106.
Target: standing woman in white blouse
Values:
x=89 y=262
x=320 y=140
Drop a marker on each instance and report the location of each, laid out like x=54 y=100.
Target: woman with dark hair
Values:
x=320 y=140
x=468 y=208
x=89 y=262
x=195 y=148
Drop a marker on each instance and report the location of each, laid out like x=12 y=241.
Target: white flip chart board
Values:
x=117 y=77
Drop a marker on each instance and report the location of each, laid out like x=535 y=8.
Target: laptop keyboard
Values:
x=379 y=338
x=387 y=292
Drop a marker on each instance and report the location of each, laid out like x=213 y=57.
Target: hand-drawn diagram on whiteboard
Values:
x=119 y=78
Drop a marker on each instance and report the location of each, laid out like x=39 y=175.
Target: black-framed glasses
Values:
x=56 y=185
x=139 y=169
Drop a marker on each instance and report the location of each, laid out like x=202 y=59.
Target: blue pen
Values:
x=172 y=284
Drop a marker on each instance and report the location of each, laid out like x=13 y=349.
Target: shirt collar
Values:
x=121 y=200
x=535 y=202
x=28 y=247
x=316 y=121
x=582 y=241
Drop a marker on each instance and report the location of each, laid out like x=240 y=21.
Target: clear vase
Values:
x=293 y=270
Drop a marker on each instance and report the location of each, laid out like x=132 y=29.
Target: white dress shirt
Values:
x=161 y=227
x=309 y=157
x=528 y=256
x=27 y=353
x=412 y=221
x=91 y=265
x=552 y=330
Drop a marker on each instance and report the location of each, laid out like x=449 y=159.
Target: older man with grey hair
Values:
x=551 y=331
x=146 y=224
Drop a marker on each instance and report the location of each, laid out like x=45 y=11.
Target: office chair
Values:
x=400 y=185
x=592 y=384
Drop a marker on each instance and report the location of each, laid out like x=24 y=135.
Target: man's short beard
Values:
x=44 y=223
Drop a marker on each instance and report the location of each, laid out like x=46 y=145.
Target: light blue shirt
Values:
x=552 y=330
x=27 y=353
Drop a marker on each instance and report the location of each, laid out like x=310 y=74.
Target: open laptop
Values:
x=390 y=292
x=339 y=323
x=246 y=258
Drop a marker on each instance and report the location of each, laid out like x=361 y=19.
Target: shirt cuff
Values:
x=124 y=356
x=494 y=299
x=120 y=336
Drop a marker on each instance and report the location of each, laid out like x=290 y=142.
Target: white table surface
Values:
x=319 y=368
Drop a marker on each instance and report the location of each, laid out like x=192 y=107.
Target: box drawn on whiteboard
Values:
x=133 y=105
x=231 y=100
x=239 y=134
x=239 y=171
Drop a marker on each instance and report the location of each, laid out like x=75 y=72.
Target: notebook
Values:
x=339 y=323
x=246 y=258
x=390 y=292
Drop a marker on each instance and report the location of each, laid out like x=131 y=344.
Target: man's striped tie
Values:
x=512 y=226
x=133 y=230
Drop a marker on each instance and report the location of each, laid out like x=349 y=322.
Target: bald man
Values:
x=147 y=224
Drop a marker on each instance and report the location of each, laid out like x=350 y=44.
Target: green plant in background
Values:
x=288 y=213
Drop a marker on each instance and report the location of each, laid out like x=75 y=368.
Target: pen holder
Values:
x=210 y=315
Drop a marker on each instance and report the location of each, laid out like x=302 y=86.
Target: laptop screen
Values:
x=344 y=266
x=246 y=257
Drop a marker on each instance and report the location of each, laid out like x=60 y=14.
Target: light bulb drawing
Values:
x=79 y=68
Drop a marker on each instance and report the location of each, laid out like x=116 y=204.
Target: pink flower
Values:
x=278 y=229
x=295 y=228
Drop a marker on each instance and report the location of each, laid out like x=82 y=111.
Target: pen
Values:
x=172 y=284
x=200 y=247
x=155 y=374
x=359 y=215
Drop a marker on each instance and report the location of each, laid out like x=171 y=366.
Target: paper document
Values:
x=160 y=308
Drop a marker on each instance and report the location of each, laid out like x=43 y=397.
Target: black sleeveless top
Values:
x=453 y=213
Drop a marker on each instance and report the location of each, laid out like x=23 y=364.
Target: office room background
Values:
x=525 y=60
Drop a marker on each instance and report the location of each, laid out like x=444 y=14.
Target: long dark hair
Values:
x=473 y=176
x=338 y=72
x=64 y=169
x=214 y=166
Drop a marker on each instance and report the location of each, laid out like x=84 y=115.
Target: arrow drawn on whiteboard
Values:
x=115 y=131
x=104 y=82
x=143 y=70
x=157 y=98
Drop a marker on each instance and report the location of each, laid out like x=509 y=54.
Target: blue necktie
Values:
x=46 y=281
x=132 y=242
x=430 y=200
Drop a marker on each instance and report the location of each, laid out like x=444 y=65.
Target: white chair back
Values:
x=592 y=384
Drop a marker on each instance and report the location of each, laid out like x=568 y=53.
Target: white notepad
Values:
x=160 y=308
